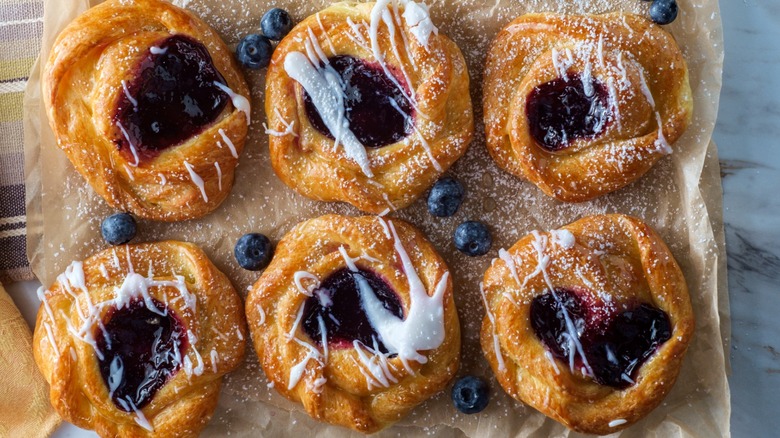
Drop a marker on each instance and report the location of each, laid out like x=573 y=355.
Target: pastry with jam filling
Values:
x=584 y=105
x=147 y=103
x=588 y=324
x=355 y=320
x=135 y=340
x=367 y=103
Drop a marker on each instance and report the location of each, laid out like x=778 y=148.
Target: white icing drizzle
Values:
x=385 y=228
x=423 y=328
x=381 y=12
x=296 y=372
x=374 y=366
x=646 y=90
x=289 y=126
x=301 y=275
x=214 y=360
x=115 y=258
x=219 y=334
x=291 y=334
x=562 y=65
x=130 y=143
x=617 y=422
x=325 y=32
x=129 y=172
x=356 y=36
x=219 y=174
x=571 y=332
x=600 y=51
x=41 y=292
x=197 y=180
x=116 y=370
x=128 y=95
x=128 y=405
x=323 y=337
x=496 y=344
x=52 y=341
x=550 y=357
x=661 y=144
x=397 y=15
x=229 y=143
x=367 y=257
x=187 y=363
x=240 y=102
x=157 y=51
x=564 y=238
x=389 y=203
x=510 y=263
x=104 y=271
x=419 y=134
x=262 y=314
x=318 y=384
x=163 y=179
x=419 y=21
x=326 y=89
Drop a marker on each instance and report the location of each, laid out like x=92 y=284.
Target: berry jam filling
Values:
x=142 y=350
x=171 y=98
x=566 y=109
x=337 y=302
x=614 y=347
x=377 y=111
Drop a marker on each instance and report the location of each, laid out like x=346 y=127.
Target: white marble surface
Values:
x=747 y=135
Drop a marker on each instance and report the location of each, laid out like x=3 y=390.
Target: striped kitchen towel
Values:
x=21 y=27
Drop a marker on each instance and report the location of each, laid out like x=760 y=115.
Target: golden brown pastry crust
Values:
x=183 y=406
x=307 y=161
x=626 y=261
x=346 y=398
x=82 y=83
x=623 y=51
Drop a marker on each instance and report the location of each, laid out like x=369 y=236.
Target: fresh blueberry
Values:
x=470 y=395
x=254 y=51
x=253 y=251
x=663 y=11
x=118 y=229
x=276 y=23
x=473 y=238
x=445 y=197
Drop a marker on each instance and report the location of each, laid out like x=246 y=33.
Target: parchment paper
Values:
x=681 y=197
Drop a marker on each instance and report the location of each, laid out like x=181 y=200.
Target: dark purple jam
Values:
x=566 y=109
x=337 y=301
x=143 y=351
x=171 y=98
x=378 y=112
x=615 y=347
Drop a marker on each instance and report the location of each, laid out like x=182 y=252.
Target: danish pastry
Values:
x=588 y=324
x=355 y=320
x=134 y=340
x=145 y=100
x=367 y=103
x=584 y=105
